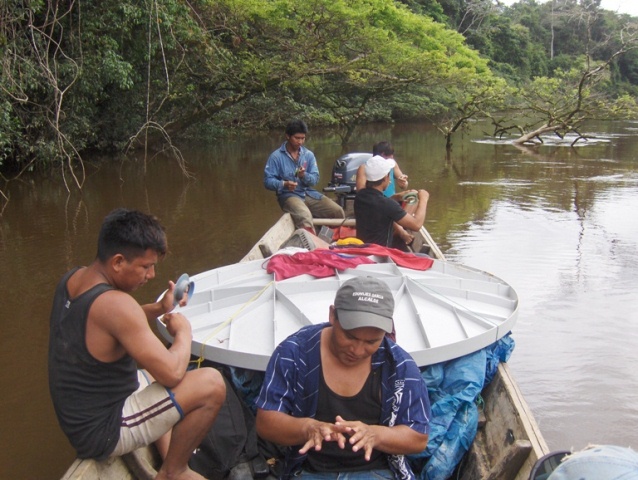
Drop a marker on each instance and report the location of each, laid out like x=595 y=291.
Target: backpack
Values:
x=230 y=448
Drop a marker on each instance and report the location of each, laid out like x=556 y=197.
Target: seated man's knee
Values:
x=209 y=384
x=335 y=210
x=216 y=385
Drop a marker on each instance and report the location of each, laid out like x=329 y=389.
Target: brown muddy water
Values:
x=558 y=223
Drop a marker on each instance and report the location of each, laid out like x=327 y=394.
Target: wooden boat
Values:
x=506 y=447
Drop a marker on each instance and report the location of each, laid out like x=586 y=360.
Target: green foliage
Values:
x=8 y=131
x=627 y=68
x=525 y=39
x=386 y=54
x=471 y=99
x=431 y=8
x=108 y=75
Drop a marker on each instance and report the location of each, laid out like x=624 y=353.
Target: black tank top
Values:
x=88 y=395
x=365 y=406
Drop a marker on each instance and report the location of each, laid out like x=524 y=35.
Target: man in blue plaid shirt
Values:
x=346 y=400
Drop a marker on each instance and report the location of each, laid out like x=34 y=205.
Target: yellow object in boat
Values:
x=349 y=241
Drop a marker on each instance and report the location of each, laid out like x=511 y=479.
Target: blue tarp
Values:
x=454 y=387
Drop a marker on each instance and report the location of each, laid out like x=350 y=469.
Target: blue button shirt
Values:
x=281 y=167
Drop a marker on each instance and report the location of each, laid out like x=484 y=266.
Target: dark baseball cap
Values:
x=365 y=302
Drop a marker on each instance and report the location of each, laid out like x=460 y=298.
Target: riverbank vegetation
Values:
x=109 y=76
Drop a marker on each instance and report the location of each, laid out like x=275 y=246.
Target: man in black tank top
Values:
x=345 y=398
x=99 y=335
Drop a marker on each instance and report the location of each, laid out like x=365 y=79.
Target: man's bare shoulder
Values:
x=114 y=318
x=115 y=309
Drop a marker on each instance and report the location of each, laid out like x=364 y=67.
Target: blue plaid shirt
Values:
x=291 y=385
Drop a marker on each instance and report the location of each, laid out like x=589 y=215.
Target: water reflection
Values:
x=573 y=269
x=556 y=223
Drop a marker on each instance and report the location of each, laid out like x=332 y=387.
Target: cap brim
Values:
x=351 y=319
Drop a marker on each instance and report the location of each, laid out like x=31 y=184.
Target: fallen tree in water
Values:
x=561 y=104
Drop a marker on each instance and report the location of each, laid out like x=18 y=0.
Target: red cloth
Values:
x=343 y=232
x=318 y=263
x=403 y=259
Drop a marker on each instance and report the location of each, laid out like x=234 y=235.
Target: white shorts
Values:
x=148 y=413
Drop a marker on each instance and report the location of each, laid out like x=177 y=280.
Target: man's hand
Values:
x=318 y=432
x=423 y=195
x=405 y=236
x=402 y=182
x=290 y=185
x=177 y=323
x=362 y=436
x=167 y=301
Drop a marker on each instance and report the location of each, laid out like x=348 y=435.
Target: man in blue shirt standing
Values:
x=345 y=399
x=291 y=172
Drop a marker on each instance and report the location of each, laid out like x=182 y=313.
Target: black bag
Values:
x=231 y=443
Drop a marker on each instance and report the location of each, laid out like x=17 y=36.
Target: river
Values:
x=557 y=223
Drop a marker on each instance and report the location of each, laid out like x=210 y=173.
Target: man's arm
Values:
x=400 y=178
x=311 y=175
x=397 y=440
x=273 y=173
x=402 y=233
x=164 y=304
x=401 y=440
x=361 y=177
x=415 y=222
x=286 y=430
x=117 y=325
